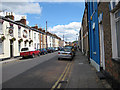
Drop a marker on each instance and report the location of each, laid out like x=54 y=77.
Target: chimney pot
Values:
x=6 y=13
x=11 y=13
x=23 y=17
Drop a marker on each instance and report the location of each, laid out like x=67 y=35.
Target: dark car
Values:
x=44 y=50
x=41 y=51
x=49 y=50
x=52 y=49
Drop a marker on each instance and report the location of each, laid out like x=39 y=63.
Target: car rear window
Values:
x=68 y=47
x=61 y=49
x=24 y=49
x=67 y=50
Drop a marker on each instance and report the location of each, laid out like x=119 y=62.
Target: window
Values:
x=1 y=32
x=35 y=45
x=24 y=49
x=1 y=47
x=117 y=19
x=11 y=30
x=41 y=37
x=25 y=44
x=19 y=32
x=29 y=33
x=19 y=46
x=34 y=36
x=29 y=44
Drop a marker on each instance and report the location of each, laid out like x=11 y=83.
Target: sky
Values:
x=63 y=18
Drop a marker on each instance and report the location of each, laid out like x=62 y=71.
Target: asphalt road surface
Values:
x=41 y=72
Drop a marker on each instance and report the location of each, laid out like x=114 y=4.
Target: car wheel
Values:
x=58 y=58
x=23 y=57
x=33 y=55
x=38 y=54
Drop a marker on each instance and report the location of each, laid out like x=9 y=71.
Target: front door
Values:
x=11 y=48
x=102 y=57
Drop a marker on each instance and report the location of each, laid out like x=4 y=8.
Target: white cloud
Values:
x=42 y=0
x=22 y=7
x=69 y=31
x=54 y=0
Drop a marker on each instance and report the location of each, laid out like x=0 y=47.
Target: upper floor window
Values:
x=41 y=38
x=19 y=32
x=117 y=15
x=11 y=29
x=29 y=33
x=34 y=36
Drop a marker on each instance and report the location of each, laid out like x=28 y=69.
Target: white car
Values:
x=65 y=53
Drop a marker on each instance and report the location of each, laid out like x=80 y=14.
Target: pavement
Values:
x=10 y=60
x=83 y=74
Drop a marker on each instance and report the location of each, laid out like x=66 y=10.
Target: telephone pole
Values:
x=46 y=35
x=63 y=37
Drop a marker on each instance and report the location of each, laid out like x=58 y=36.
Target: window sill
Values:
x=116 y=60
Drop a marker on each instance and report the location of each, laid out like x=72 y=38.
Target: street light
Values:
x=76 y=35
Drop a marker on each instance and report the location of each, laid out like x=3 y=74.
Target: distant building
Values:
x=15 y=35
x=85 y=37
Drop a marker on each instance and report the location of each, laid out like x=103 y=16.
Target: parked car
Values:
x=65 y=53
x=45 y=51
x=49 y=50
x=56 y=48
x=52 y=49
x=29 y=51
x=72 y=48
x=41 y=51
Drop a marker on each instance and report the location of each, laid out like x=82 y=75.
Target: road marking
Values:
x=54 y=86
x=65 y=75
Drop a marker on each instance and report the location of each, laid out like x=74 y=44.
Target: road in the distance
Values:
x=41 y=72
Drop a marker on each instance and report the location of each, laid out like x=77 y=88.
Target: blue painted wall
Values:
x=93 y=34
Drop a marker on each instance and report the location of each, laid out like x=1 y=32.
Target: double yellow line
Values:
x=62 y=77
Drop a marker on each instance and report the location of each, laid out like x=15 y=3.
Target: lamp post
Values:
x=77 y=36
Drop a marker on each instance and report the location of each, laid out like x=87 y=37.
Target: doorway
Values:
x=11 y=48
x=102 y=56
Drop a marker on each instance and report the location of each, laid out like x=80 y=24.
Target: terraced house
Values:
x=15 y=35
x=104 y=30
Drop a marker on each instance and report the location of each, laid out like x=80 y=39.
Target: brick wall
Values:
x=111 y=67
x=85 y=30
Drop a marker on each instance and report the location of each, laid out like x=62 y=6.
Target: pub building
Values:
x=15 y=35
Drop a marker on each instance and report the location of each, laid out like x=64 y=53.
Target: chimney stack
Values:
x=9 y=16
x=23 y=20
x=40 y=29
x=36 y=26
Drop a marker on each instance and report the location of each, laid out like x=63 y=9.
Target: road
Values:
x=41 y=72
